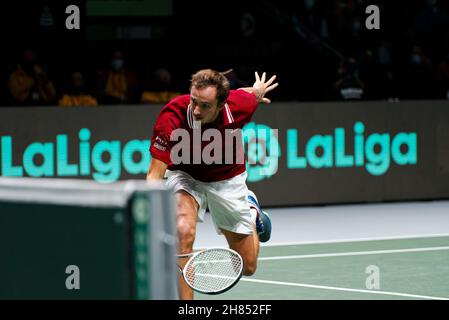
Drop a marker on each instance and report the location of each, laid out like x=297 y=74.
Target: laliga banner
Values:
x=297 y=153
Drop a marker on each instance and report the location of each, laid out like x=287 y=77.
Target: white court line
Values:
x=437 y=235
x=353 y=253
x=342 y=289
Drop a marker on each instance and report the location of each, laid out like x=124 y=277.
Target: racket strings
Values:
x=213 y=271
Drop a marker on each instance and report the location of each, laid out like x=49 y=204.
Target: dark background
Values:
x=307 y=48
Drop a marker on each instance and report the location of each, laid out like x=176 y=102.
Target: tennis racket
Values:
x=212 y=271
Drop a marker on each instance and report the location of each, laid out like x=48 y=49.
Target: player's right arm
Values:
x=156 y=171
x=170 y=118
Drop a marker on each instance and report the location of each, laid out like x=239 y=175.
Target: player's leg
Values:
x=231 y=214
x=260 y=217
x=186 y=213
x=190 y=207
x=247 y=246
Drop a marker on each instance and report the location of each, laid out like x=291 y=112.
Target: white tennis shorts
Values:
x=226 y=200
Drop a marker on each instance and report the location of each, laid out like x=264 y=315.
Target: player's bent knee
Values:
x=186 y=234
x=249 y=268
x=249 y=271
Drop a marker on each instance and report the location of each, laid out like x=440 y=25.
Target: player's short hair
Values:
x=211 y=78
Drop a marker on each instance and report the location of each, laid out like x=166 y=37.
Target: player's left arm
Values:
x=261 y=87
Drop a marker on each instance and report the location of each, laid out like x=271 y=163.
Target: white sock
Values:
x=254 y=213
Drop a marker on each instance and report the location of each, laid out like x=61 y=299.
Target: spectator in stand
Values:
x=28 y=84
x=369 y=74
x=76 y=93
x=160 y=88
x=387 y=85
x=377 y=74
x=116 y=84
x=349 y=86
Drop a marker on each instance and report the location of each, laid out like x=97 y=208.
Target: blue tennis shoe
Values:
x=263 y=221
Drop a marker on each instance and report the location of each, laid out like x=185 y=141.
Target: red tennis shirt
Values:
x=177 y=114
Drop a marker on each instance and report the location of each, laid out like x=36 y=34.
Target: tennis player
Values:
x=219 y=186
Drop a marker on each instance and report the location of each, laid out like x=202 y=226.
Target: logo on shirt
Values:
x=160 y=144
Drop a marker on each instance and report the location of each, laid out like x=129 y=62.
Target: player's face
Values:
x=204 y=104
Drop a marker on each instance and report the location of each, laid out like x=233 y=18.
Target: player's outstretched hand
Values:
x=261 y=87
